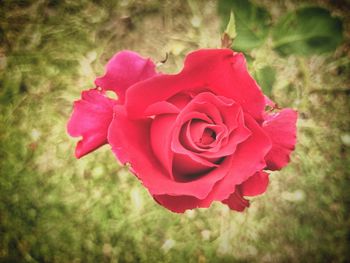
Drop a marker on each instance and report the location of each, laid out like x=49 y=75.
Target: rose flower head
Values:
x=191 y=138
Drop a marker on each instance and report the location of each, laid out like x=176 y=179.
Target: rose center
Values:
x=208 y=136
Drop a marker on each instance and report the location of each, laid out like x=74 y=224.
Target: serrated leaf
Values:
x=251 y=23
x=266 y=78
x=307 y=31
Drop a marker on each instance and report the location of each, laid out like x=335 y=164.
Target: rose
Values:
x=192 y=138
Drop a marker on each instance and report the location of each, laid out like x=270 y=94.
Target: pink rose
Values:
x=192 y=138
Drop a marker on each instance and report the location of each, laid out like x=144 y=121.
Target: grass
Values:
x=54 y=208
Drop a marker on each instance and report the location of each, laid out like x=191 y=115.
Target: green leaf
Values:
x=266 y=78
x=307 y=31
x=252 y=23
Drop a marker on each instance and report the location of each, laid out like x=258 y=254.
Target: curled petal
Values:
x=236 y=201
x=281 y=127
x=123 y=70
x=90 y=119
x=201 y=136
x=185 y=159
x=237 y=136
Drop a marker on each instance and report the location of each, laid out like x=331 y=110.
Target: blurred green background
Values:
x=54 y=208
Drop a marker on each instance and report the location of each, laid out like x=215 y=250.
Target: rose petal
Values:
x=209 y=104
x=228 y=77
x=180 y=100
x=123 y=70
x=161 y=134
x=248 y=158
x=194 y=161
x=201 y=136
x=255 y=185
x=187 y=161
x=161 y=107
x=281 y=127
x=191 y=134
x=237 y=136
x=90 y=119
x=132 y=144
x=180 y=204
x=219 y=70
x=189 y=167
x=236 y=201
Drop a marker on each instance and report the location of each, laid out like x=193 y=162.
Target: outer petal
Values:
x=236 y=201
x=255 y=185
x=123 y=70
x=281 y=127
x=218 y=70
x=180 y=204
x=90 y=119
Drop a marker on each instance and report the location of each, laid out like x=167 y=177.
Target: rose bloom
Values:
x=192 y=138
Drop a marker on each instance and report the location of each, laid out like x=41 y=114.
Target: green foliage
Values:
x=304 y=31
x=266 y=78
x=252 y=23
x=307 y=31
